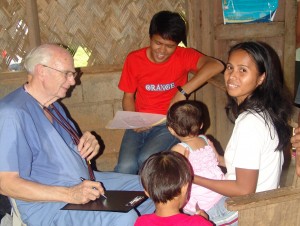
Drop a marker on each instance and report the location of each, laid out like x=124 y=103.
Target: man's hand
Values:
x=88 y=146
x=85 y=192
x=143 y=129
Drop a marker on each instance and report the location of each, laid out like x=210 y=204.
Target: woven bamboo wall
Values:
x=107 y=29
x=13 y=30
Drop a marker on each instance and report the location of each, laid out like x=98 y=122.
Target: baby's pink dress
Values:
x=205 y=164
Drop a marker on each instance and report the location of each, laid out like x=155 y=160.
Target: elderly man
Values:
x=42 y=156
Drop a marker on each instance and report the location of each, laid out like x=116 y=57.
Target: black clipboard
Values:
x=117 y=201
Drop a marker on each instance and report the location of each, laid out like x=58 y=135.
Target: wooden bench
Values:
x=278 y=207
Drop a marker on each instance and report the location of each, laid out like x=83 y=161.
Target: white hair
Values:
x=39 y=55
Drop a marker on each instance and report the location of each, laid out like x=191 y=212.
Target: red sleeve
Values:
x=128 y=81
x=190 y=58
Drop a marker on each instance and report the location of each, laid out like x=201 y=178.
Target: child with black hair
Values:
x=185 y=120
x=167 y=177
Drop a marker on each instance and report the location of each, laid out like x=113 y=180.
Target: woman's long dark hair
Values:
x=271 y=99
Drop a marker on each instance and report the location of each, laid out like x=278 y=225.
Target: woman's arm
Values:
x=245 y=183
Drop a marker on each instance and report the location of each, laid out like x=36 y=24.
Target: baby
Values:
x=185 y=120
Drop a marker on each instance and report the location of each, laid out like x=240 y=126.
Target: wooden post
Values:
x=298 y=152
x=290 y=44
x=33 y=23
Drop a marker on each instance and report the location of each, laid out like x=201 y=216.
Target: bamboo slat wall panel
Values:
x=109 y=29
x=13 y=29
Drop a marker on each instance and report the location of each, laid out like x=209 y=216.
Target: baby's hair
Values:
x=185 y=118
x=164 y=174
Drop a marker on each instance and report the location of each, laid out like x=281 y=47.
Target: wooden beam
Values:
x=33 y=23
x=255 y=30
x=290 y=44
x=262 y=198
x=193 y=21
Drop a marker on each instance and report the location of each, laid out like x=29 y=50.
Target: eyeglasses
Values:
x=68 y=74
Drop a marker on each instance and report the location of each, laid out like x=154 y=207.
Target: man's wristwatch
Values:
x=183 y=92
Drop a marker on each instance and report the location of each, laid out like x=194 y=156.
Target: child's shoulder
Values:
x=179 y=148
x=204 y=138
x=196 y=220
x=178 y=219
x=145 y=220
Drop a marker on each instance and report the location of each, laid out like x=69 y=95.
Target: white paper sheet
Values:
x=133 y=120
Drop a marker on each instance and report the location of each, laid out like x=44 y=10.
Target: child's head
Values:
x=169 y=25
x=185 y=118
x=167 y=175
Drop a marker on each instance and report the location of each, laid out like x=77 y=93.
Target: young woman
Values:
x=260 y=108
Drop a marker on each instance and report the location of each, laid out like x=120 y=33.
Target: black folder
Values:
x=117 y=201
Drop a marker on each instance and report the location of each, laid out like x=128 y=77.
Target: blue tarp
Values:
x=249 y=11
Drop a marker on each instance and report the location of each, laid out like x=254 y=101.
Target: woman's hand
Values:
x=201 y=212
x=295 y=140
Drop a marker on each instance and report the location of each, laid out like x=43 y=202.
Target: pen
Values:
x=82 y=179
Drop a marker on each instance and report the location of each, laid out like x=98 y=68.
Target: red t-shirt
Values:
x=155 y=84
x=175 y=220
